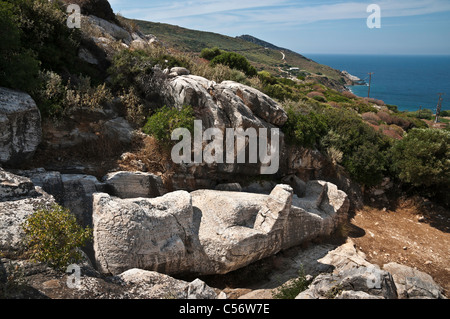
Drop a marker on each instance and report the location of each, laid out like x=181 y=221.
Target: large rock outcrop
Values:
x=228 y=105
x=209 y=231
x=20 y=126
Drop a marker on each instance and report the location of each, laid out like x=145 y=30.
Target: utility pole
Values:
x=370 y=83
x=438 y=108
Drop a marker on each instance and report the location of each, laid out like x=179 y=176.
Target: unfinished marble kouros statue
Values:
x=209 y=231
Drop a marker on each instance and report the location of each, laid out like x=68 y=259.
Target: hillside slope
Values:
x=261 y=54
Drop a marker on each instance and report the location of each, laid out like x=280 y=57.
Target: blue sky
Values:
x=323 y=26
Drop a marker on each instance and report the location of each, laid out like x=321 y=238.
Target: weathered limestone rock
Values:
x=44 y=282
x=49 y=181
x=296 y=183
x=20 y=126
x=78 y=191
x=152 y=234
x=352 y=278
x=119 y=129
x=13 y=186
x=412 y=283
x=106 y=28
x=72 y=191
x=259 y=103
x=19 y=199
x=152 y=285
x=177 y=71
x=134 y=184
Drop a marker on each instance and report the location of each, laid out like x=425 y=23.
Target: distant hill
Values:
x=263 y=55
x=260 y=42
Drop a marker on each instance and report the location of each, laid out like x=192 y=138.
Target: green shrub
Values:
x=393 y=108
x=422 y=114
x=280 y=92
x=291 y=289
x=235 y=61
x=267 y=78
x=219 y=73
x=135 y=109
x=55 y=98
x=18 y=65
x=166 y=120
x=422 y=158
x=305 y=130
x=53 y=236
x=210 y=54
x=45 y=32
x=127 y=66
x=445 y=113
x=364 y=150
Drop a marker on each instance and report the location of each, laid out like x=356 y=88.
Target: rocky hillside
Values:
x=90 y=135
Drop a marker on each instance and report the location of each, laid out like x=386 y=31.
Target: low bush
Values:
x=166 y=120
x=56 y=98
x=364 y=151
x=210 y=54
x=371 y=117
x=422 y=158
x=294 y=287
x=19 y=66
x=218 y=73
x=304 y=129
x=235 y=61
x=53 y=236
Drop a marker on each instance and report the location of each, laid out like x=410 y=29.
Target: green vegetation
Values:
x=291 y=289
x=235 y=61
x=230 y=59
x=166 y=120
x=53 y=236
x=38 y=55
x=210 y=54
x=364 y=151
x=18 y=65
x=422 y=158
x=56 y=98
x=306 y=130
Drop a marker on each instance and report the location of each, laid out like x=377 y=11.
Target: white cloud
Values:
x=275 y=11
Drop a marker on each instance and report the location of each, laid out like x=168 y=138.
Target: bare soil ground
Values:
x=415 y=233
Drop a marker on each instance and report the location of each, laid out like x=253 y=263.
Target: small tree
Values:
x=53 y=236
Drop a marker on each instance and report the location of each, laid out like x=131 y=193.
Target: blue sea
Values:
x=406 y=81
